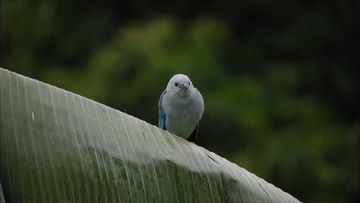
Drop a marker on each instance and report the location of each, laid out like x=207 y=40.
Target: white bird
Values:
x=181 y=107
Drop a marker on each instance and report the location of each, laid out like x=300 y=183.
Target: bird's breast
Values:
x=182 y=118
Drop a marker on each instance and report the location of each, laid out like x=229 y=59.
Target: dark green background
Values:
x=280 y=79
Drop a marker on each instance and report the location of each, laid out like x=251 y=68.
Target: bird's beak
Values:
x=185 y=86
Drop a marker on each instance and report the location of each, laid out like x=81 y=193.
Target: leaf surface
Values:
x=57 y=146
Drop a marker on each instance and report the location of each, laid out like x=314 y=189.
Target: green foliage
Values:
x=280 y=80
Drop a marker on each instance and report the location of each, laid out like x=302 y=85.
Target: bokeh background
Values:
x=280 y=79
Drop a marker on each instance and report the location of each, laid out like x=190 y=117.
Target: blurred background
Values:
x=280 y=79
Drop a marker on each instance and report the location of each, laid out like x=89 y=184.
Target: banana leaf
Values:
x=57 y=146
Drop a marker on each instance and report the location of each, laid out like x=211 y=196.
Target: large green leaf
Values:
x=57 y=146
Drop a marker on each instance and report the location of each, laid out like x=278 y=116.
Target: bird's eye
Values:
x=189 y=83
x=176 y=84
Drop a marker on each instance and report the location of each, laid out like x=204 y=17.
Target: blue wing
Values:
x=162 y=115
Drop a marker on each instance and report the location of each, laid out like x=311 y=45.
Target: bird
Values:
x=181 y=107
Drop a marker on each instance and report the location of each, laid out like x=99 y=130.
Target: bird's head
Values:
x=180 y=84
